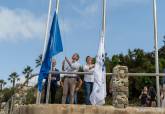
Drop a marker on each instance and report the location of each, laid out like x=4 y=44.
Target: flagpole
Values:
x=57 y=6
x=47 y=29
x=49 y=77
x=104 y=16
x=103 y=30
x=156 y=51
x=45 y=44
x=99 y=71
x=48 y=86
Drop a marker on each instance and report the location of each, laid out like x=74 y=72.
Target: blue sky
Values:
x=129 y=25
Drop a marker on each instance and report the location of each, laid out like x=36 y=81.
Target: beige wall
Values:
x=83 y=109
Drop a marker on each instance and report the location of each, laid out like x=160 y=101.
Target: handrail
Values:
x=81 y=73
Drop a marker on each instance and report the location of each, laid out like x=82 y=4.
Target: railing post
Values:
x=48 y=89
x=12 y=105
x=120 y=86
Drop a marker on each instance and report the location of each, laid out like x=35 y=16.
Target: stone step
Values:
x=84 y=109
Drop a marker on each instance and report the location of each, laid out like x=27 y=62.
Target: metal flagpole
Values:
x=103 y=31
x=48 y=86
x=156 y=52
x=57 y=6
x=45 y=44
x=49 y=77
x=104 y=16
x=47 y=29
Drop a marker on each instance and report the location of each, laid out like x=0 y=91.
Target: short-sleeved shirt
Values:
x=75 y=66
x=88 y=77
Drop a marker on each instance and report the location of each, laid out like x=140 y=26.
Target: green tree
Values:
x=162 y=52
x=13 y=77
x=2 y=84
x=27 y=71
x=30 y=96
x=115 y=60
x=38 y=61
x=7 y=93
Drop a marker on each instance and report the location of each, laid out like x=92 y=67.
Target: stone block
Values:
x=120 y=86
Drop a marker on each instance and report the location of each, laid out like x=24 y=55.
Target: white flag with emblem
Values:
x=99 y=88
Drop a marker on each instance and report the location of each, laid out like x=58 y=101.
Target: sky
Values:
x=129 y=25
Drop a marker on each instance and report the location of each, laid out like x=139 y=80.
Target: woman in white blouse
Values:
x=88 y=79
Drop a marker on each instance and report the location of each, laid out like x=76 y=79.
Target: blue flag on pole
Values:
x=54 y=46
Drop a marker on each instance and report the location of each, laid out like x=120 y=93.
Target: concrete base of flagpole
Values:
x=120 y=87
x=38 y=100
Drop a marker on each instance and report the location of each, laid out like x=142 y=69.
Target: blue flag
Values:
x=54 y=47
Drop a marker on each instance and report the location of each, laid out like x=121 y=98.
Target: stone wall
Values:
x=84 y=109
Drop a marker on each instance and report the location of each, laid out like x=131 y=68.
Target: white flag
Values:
x=99 y=88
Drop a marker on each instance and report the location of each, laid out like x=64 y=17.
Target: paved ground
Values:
x=2 y=112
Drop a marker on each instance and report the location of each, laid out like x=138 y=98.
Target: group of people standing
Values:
x=148 y=97
x=71 y=83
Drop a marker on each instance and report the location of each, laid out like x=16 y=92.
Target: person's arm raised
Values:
x=67 y=60
x=92 y=66
x=73 y=66
x=86 y=68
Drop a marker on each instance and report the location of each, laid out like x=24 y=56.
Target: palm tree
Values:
x=39 y=61
x=1 y=81
x=2 y=84
x=13 y=77
x=27 y=71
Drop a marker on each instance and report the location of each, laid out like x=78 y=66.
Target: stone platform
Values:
x=84 y=109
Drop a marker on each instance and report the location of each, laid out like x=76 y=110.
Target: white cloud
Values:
x=84 y=12
x=126 y=3
x=89 y=9
x=20 y=24
x=65 y=26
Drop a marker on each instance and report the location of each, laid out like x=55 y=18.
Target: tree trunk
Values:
x=0 y=86
x=27 y=82
x=28 y=79
x=13 y=83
